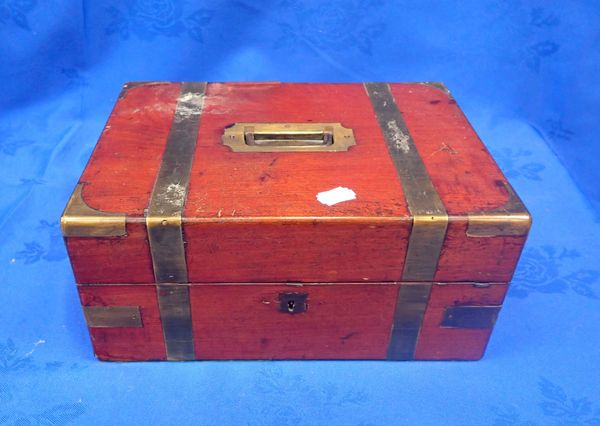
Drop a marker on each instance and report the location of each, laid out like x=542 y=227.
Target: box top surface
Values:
x=122 y=171
x=187 y=155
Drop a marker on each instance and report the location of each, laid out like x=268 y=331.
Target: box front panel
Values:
x=350 y=321
x=392 y=321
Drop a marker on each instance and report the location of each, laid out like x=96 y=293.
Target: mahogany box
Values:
x=291 y=221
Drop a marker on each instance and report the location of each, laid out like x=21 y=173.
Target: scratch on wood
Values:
x=445 y=148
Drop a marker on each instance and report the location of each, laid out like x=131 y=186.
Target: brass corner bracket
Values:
x=80 y=220
x=510 y=219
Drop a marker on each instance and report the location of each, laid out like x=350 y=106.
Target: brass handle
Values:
x=288 y=137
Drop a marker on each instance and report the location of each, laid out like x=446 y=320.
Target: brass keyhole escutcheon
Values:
x=293 y=303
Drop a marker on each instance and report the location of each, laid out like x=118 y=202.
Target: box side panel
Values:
x=112 y=260
x=245 y=321
x=479 y=259
x=288 y=251
x=439 y=339
x=125 y=343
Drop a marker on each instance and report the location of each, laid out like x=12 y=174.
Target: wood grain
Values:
x=437 y=343
x=126 y=343
x=463 y=172
x=486 y=259
x=112 y=260
x=243 y=322
x=122 y=169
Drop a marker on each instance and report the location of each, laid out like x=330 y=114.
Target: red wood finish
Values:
x=437 y=343
x=253 y=217
x=467 y=179
x=295 y=251
x=483 y=259
x=112 y=260
x=126 y=344
x=463 y=172
x=285 y=184
x=241 y=321
x=350 y=321
x=235 y=187
x=122 y=169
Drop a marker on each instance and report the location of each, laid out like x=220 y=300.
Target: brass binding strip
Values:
x=430 y=218
x=470 y=316
x=113 y=316
x=410 y=309
x=164 y=223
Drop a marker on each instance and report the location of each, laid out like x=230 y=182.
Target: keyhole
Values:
x=291 y=305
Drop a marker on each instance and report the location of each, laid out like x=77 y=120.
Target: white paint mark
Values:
x=399 y=137
x=336 y=195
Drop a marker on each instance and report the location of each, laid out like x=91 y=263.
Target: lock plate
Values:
x=293 y=303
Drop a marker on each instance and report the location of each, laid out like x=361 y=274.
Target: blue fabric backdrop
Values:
x=524 y=72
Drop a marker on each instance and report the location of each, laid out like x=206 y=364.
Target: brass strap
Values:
x=410 y=309
x=176 y=319
x=164 y=222
x=430 y=218
x=164 y=215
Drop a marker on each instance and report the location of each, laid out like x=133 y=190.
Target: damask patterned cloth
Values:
x=524 y=72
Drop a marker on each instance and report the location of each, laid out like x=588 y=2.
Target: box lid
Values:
x=276 y=182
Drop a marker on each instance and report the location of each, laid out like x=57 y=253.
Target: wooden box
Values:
x=291 y=221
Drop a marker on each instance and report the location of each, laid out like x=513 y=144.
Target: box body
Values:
x=198 y=229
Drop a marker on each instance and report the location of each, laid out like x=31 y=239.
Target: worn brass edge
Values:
x=80 y=220
x=510 y=219
x=441 y=86
x=113 y=316
x=233 y=137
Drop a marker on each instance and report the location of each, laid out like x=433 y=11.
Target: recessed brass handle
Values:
x=288 y=137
